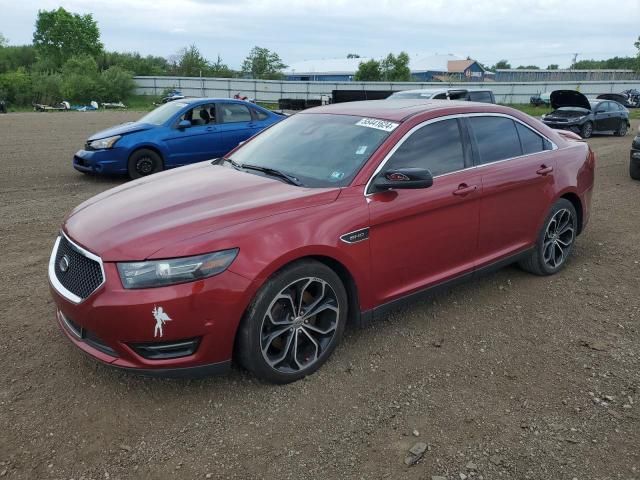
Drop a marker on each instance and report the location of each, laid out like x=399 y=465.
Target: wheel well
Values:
x=347 y=280
x=577 y=204
x=147 y=147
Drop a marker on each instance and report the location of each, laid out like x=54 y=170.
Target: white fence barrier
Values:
x=270 y=91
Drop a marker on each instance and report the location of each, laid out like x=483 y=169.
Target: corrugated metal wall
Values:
x=269 y=91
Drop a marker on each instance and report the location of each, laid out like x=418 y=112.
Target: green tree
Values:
x=353 y=55
x=527 y=67
x=80 y=79
x=368 y=71
x=3 y=41
x=133 y=62
x=395 y=68
x=220 y=69
x=189 y=62
x=263 y=63
x=60 y=35
x=501 y=65
x=16 y=56
x=553 y=66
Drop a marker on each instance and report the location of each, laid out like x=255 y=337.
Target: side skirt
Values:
x=381 y=311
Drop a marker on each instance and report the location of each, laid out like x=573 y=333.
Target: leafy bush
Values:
x=116 y=84
x=47 y=88
x=16 y=87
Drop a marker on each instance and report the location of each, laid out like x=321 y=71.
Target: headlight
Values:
x=159 y=273
x=103 y=143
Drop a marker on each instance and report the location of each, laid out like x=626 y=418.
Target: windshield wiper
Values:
x=273 y=172
x=233 y=163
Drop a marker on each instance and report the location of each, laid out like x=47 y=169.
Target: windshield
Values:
x=320 y=150
x=163 y=113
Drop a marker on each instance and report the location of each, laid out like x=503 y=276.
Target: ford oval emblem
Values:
x=64 y=264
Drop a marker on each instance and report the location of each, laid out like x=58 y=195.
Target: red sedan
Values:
x=333 y=215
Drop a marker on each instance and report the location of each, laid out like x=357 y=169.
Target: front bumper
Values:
x=110 y=162
x=113 y=323
x=571 y=126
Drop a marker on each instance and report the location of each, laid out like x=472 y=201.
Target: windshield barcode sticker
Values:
x=378 y=124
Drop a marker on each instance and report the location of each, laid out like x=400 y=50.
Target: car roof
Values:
x=443 y=90
x=398 y=110
x=190 y=100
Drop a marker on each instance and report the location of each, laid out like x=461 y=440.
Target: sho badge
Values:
x=357 y=236
x=161 y=318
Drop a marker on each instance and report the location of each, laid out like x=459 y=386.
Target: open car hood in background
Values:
x=569 y=98
x=616 y=97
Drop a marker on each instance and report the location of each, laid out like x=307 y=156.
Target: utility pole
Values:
x=575 y=59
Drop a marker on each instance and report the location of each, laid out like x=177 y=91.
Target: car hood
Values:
x=569 y=98
x=134 y=220
x=122 y=129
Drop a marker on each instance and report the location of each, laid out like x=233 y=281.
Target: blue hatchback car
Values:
x=174 y=134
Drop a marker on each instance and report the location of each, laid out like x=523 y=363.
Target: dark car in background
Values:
x=575 y=112
x=469 y=94
x=177 y=133
x=634 y=160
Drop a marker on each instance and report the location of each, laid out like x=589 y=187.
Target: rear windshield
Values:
x=321 y=150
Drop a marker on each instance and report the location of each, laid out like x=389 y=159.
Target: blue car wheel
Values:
x=144 y=162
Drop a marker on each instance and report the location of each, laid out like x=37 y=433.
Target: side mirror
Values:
x=403 y=178
x=184 y=124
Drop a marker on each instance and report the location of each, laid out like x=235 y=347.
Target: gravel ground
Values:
x=511 y=376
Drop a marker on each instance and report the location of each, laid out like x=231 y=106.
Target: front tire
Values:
x=555 y=241
x=586 y=130
x=634 y=169
x=294 y=323
x=144 y=162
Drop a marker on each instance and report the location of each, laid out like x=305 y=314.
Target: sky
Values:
x=538 y=32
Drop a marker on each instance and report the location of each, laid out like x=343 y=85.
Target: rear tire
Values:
x=293 y=324
x=144 y=162
x=622 y=129
x=586 y=130
x=555 y=241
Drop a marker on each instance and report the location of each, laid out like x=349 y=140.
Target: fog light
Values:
x=635 y=155
x=166 y=350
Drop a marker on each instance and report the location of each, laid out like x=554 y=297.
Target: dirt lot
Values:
x=510 y=377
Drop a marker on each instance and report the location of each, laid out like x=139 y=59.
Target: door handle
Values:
x=464 y=189
x=543 y=170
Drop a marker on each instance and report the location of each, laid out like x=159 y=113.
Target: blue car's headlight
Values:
x=104 y=143
x=158 y=273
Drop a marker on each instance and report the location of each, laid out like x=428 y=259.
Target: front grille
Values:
x=82 y=276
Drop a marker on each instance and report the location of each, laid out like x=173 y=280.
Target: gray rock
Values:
x=472 y=466
x=415 y=453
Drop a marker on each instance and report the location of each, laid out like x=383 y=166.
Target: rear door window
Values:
x=531 y=142
x=234 y=112
x=259 y=114
x=436 y=147
x=496 y=138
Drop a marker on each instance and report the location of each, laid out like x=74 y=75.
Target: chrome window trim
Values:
x=58 y=287
x=451 y=117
